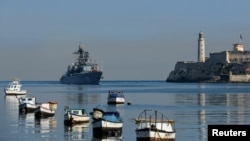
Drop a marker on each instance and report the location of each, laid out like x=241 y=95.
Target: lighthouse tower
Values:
x=201 y=48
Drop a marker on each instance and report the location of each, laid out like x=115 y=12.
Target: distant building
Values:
x=231 y=66
x=237 y=55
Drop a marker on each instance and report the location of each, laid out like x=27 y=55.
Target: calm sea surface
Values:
x=192 y=105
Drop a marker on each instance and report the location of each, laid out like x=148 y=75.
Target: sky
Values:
x=131 y=40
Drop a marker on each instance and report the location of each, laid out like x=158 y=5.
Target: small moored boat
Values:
x=46 y=109
x=154 y=126
x=74 y=116
x=14 y=88
x=27 y=104
x=106 y=123
x=116 y=97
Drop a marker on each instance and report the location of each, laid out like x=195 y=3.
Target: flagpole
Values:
x=240 y=38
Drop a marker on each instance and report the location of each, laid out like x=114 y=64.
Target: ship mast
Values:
x=83 y=56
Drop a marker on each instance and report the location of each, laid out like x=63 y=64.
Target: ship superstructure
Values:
x=83 y=71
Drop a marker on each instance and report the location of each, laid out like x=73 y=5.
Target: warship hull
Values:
x=89 y=78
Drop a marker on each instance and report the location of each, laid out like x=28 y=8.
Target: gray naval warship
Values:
x=83 y=71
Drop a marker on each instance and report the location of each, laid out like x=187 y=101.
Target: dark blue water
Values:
x=193 y=106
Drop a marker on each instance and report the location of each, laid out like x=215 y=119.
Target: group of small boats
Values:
x=152 y=125
x=28 y=104
x=105 y=123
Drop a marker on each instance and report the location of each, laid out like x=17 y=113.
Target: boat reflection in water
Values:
x=76 y=131
x=12 y=102
x=45 y=125
x=107 y=139
x=27 y=120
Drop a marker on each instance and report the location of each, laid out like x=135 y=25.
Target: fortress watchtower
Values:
x=238 y=47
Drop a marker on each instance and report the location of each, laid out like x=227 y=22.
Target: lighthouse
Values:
x=201 y=48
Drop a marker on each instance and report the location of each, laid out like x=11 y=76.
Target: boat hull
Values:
x=91 y=78
x=154 y=135
x=70 y=119
x=10 y=92
x=116 y=100
x=102 y=129
x=27 y=107
x=40 y=112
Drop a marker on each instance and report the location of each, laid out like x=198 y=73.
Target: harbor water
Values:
x=193 y=106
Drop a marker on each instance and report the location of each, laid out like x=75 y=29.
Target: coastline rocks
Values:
x=209 y=72
x=194 y=72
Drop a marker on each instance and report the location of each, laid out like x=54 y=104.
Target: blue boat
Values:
x=83 y=71
x=106 y=123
